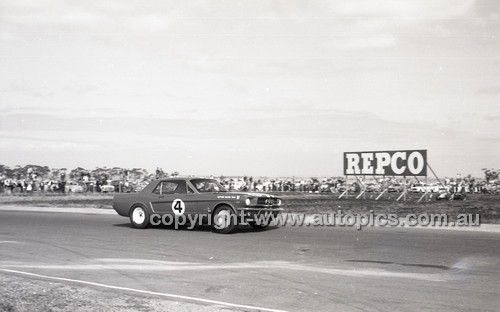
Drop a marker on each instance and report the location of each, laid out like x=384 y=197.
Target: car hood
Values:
x=246 y=194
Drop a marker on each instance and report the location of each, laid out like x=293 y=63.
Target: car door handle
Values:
x=161 y=196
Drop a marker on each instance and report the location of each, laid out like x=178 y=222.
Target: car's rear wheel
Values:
x=139 y=217
x=224 y=221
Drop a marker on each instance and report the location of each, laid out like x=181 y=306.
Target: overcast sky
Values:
x=276 y=88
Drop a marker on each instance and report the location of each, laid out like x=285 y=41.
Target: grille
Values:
x=267 y=201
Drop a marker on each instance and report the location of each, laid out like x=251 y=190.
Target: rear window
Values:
x=170 y=187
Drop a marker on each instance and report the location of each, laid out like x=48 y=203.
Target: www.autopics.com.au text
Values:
x=358 y=220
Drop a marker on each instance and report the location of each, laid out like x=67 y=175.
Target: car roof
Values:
x=154 y=183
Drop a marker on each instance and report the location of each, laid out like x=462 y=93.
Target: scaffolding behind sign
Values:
x=402 y=163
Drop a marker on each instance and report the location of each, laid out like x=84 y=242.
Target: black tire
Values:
x=223 y=220
x=139 y=217
x=257 y=226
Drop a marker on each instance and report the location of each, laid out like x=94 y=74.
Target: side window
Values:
x=168 y=187
x=181 y=188
x=190 y=190
x=157 y=189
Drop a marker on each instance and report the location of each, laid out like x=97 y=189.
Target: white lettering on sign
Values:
x=396 y=163
x=353 y=164
x=367 y=164
x=383 y=160
x=417 y=158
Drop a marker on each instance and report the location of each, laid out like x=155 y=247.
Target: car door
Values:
x=171 y=197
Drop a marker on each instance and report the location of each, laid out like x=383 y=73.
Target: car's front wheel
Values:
x=139 y=217
x=224 y=221
x=257 y=226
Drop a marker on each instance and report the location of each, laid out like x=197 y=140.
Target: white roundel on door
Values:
x=178 y=207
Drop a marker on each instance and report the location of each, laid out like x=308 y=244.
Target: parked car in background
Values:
x=429 y=188
x=122 y=187
x=108 y=187
x=419 y=188
x=435 y=188
x=74 y=187
x=395 y=187
x=352 y=188
x=326 y=187
x=372 y=187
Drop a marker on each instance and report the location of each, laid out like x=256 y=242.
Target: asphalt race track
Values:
x=287 y=268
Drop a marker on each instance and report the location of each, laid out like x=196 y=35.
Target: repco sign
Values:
x=393 y=163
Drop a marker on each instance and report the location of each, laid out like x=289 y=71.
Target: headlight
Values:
x=247 y=201
x=279 y=202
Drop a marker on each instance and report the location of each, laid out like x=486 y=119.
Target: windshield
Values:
x=207 y=186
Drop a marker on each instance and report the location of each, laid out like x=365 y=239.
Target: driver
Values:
x=203 y=187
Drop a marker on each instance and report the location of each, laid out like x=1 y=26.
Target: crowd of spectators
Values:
x=355 y=185
x=59 y=182
x=123 y=180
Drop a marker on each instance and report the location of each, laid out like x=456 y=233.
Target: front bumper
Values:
x=252 y=213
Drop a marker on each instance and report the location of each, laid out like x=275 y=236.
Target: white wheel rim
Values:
x=222 y=219
x=138 y=215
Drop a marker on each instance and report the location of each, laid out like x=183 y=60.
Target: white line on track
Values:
x=60 y=209
x=164 y=266
x=216 y=302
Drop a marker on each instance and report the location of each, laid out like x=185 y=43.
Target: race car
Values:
x=204 y=197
